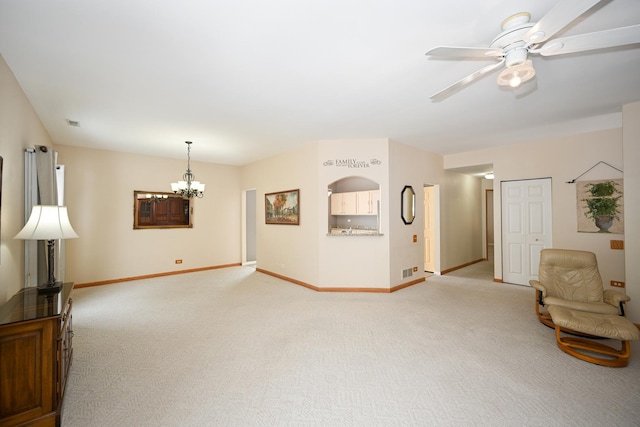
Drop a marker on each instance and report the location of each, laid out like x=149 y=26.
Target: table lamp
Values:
x=48 y=223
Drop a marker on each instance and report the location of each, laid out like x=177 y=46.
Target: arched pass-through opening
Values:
x=354 y=206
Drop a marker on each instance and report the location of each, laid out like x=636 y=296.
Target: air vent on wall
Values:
x=407 y=272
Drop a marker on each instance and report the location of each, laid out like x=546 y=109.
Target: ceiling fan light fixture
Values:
x=520 y=37
x=516 y=75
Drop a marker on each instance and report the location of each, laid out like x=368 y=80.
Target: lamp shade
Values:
x=517 y=74
x=47 y=222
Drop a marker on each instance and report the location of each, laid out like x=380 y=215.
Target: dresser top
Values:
x=27 y=304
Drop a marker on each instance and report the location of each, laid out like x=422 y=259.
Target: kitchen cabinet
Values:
x=367 y=202
x=344 y=203
x=355 y=203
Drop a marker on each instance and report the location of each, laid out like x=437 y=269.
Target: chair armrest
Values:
x=539 y=286
x=615 y=297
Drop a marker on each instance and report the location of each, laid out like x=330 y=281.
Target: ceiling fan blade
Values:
x=562 y=14
x=439 y=96
x=464 y=52
x=591 y=41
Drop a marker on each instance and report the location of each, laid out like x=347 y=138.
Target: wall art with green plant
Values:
x=600 y=206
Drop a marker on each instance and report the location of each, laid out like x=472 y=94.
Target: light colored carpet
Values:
x=234 y=347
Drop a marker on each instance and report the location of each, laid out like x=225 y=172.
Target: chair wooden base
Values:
x=588 y=350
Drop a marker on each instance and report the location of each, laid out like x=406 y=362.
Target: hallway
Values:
x=482 y=270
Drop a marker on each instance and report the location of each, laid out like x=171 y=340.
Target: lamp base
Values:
x=49 y=288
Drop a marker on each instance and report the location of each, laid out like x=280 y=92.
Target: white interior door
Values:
x=526 y=228
x=429 y=229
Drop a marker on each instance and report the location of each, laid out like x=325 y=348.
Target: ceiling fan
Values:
x=520 y=38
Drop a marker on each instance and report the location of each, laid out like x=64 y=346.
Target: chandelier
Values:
x=188 y=187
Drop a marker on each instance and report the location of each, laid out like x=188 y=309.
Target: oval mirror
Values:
x=408 y=204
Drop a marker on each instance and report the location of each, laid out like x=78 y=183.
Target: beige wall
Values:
x=461 y=219
x=354 y=262
x=307 y=254
x=562 y=159
x=406 y=167
x=631 y=162
x=371 y=261
x=289 y=250
x=20 y=128
x=458 y=217
x=99 y=196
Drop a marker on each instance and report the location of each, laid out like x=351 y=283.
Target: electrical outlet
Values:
x=178 y=261
x=415 y=238
x=617 y=244
x=415 y=269
x=617 y=284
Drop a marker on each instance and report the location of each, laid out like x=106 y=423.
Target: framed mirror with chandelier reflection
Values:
x=153 y=209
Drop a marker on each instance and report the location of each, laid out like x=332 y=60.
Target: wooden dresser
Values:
x=35 y=354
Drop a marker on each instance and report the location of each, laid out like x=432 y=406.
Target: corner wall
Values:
x=20 y=128
x=288 y=250
x=313 y=257
x=406 y=167
x=354 y=261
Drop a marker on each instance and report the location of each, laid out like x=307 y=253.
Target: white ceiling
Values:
x=246 y=79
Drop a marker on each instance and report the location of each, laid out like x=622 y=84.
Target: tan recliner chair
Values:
x=570 y=278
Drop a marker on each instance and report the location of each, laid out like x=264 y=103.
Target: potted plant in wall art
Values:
x=601 y=206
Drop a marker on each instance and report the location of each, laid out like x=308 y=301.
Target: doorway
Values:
x=249 y=255
x=526 y=228
x=489 y=229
